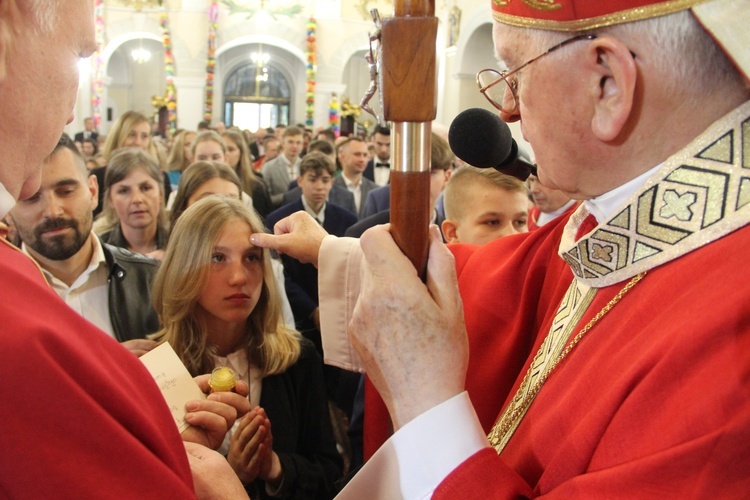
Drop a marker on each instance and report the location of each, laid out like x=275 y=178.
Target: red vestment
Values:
x=653 y=402
x=533 y=217
x=82 y=418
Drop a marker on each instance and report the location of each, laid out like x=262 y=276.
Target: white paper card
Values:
x=174 y=380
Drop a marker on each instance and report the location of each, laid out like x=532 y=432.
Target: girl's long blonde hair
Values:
x=244 y=168
x=183 y=276
x=120 y=130
x=177 y=161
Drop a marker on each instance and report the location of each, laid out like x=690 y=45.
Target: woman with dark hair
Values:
x=134 y=215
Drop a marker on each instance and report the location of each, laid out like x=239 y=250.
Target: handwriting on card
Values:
x=175 y=382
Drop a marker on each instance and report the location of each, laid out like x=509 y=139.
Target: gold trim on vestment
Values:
x=625 y=16
x=575 y=302
x=698 y=196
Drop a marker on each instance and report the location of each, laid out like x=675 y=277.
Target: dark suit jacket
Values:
x=79 y=136
x=253 y=147
x=378 y=199
x=366 y=185
x=261 y=198
x=383 y=217
x=338 y=196
x=295 y=402
x=302 y=279
x=369 y=172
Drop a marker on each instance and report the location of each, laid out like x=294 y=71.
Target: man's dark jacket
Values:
x=129 y=282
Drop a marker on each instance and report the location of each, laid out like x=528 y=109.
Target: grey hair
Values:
x=674 y=45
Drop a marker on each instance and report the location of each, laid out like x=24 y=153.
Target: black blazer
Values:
x=295 y=402
x=302 y=279
x=384 y=217
x=79 y=136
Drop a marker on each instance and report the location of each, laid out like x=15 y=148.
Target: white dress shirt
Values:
x=355 y=189
x=318 y=216
x=7 y=202
x=381 y=172
x=545 y=217
x=89 y=293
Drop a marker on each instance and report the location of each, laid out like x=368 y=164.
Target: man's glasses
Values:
x=501 y=87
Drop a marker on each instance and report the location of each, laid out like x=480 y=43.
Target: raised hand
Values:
x=298 y=236
x=419 y=360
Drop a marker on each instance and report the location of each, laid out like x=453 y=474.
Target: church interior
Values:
x=259 y=63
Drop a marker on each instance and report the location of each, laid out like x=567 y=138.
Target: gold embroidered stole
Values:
x=698 y=196
x=575 y=302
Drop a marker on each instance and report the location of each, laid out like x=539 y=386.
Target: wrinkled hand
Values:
x=213 y=478
x=139 y=347
x=211 y=418
x=298 y=236
x=251 y=452
x=420 y=360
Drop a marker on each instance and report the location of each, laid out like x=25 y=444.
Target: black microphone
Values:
x=481 y=139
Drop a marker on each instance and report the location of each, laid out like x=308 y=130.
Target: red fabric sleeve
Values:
x=483 y=475
x=82 y=418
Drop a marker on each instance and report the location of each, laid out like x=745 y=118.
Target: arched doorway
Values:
x=135 y=70
x=256 y=95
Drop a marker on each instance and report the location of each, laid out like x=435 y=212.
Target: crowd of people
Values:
x=556 y=345
x=152 y=250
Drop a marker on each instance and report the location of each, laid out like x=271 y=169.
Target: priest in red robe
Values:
x=608 y=353
x=81 y=416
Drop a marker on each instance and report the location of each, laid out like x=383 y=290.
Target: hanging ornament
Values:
x=312 y=61
x=333 y=114
x=171 y=94
x=213 y=16
x=97 y=80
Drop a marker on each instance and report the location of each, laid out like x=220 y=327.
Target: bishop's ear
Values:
x=615 y=76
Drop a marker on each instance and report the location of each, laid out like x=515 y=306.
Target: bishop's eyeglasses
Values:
x=496 y=85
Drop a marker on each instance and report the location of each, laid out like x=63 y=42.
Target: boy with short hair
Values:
x=316 y=179
x=482 y=205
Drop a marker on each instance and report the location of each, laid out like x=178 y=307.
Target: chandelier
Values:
x=140 y=55
x=273 y=7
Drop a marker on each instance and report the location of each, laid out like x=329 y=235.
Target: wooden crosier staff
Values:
x=408 y=91
x=408 y=87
